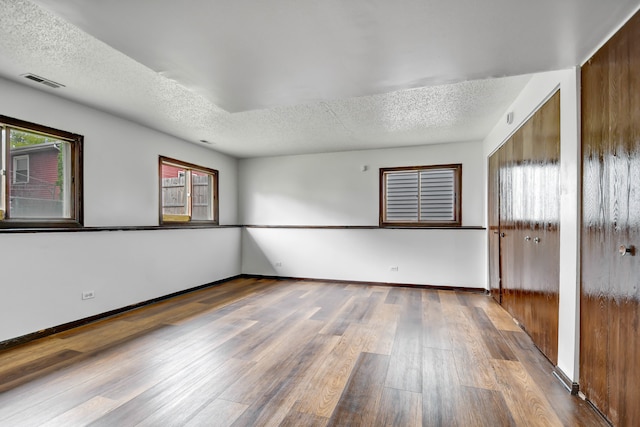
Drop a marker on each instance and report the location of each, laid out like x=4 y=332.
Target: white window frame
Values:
x=14 y=169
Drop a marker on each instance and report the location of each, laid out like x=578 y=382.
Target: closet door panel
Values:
x=507 y=227
x=595 y=240
x=623 y=296
x=529 y=217
x=518 y=212
x=546 y=224
x=494 y=225
x=610 y=284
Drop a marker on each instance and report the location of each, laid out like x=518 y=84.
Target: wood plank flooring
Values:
x=258 y=352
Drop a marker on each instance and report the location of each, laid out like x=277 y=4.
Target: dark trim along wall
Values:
x=192 y=226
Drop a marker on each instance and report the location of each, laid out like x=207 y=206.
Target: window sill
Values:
x=17 y=224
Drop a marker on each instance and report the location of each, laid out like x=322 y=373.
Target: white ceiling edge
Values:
x=608 y=35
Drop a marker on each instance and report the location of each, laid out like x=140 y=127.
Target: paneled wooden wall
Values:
x=610 y=282
x=524 y=183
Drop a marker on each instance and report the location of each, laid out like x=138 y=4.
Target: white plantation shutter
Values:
x=437 y=195
x=423 y=195
x=402 y=196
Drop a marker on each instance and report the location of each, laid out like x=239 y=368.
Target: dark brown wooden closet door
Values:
x=545 y=227
x=595 y=248
x=528 y=260
x=517 y=235
x=610 y=282
x=494 y=225
x=507 y=227
x=529 y=208
x=540 y=226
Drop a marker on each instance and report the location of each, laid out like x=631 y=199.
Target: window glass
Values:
x=202 y=193
x=174 y=190
x=188 y=193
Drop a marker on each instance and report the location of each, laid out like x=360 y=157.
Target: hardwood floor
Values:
x=291 y=353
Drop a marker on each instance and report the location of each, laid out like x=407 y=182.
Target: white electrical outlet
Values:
x=393 y=268
x=88 y=294
x=278 y=264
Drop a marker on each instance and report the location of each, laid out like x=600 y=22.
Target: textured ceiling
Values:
x=282 y=77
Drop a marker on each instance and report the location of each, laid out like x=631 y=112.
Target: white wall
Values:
x=532 y=97
x=45 y=273
x=422 y=257
x=331 y=190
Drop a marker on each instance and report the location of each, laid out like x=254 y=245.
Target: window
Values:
x=41 y=178
x=421 y=196
x=20 y=169
x=188 y=193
